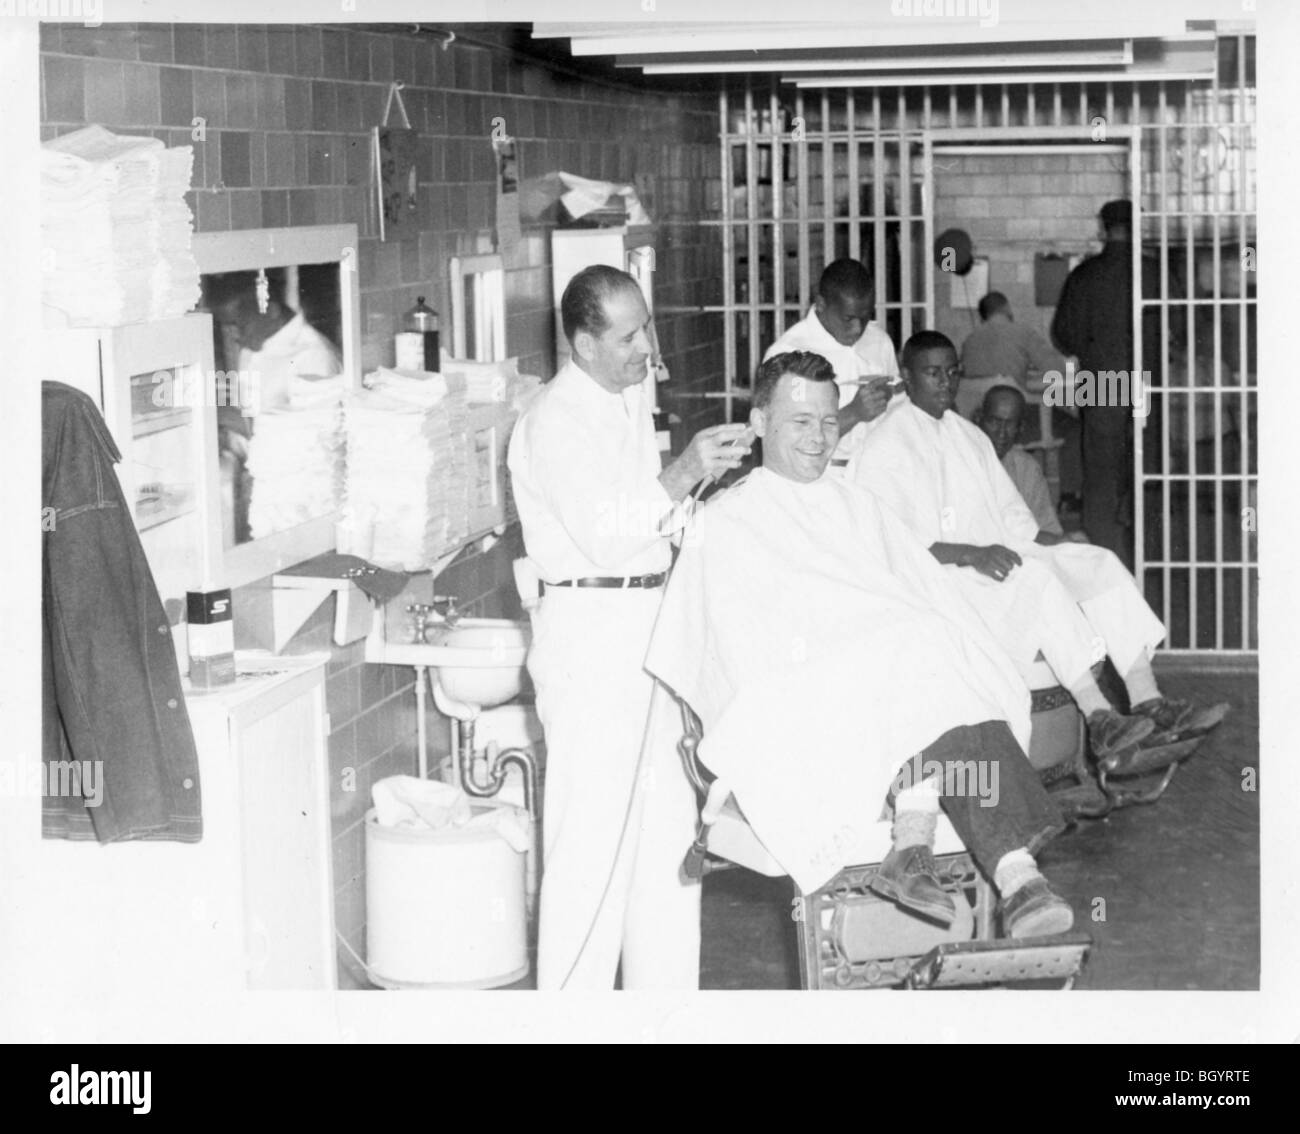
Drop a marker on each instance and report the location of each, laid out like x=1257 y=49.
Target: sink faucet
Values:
x=451 y=613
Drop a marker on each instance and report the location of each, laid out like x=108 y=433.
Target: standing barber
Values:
x=597 y=511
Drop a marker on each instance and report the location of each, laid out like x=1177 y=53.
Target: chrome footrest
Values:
x=972 y=963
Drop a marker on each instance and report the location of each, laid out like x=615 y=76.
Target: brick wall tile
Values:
x=307 y=51
x=280 y=50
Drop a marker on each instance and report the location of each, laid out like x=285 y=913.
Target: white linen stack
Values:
x=408 y=466
x=296 y=457
x=115 y=228
x=484 y=381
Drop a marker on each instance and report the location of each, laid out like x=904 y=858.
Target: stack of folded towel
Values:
x=296 y=457
x=115 y=228
x=408 y=466
x=484 y=381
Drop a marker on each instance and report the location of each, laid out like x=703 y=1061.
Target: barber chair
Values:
x=850 y=938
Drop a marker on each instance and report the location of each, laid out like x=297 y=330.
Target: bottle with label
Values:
x=211 y=625
x=417 y=343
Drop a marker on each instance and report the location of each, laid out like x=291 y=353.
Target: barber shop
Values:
x=564 y=499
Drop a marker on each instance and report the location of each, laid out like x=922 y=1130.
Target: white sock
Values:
x=1141 y=682
x=1088 y=695
x=916 y=812
x=1013 y=870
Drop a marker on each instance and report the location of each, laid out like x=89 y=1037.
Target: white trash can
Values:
x=444 y=908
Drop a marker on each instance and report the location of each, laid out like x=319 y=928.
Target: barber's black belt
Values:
x=645 y=582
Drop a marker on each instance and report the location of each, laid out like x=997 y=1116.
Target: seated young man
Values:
x=823 y=649
x=1074 y=602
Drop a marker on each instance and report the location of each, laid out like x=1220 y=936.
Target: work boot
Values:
x=908 y=876
x=1179 y=720
x=1111 y=734
x=1036 y=910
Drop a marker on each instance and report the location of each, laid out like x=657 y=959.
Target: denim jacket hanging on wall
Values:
x=110 y=684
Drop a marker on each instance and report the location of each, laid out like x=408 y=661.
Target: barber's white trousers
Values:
x=616 y=823
x=1074 y=602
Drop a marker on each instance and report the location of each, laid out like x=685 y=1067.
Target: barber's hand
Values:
x=873 y=397
x=995 y=561
x=715 y=451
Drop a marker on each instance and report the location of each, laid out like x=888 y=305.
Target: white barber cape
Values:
x=821 y=647
x=873 y=354
x=584 y=466
x=944 y=480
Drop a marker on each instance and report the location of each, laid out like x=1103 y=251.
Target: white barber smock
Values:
x=871 y=355
x=1074 y=602
x=584 y=466
x=822 y=647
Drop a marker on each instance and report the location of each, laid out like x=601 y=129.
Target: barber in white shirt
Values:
x=597 y=512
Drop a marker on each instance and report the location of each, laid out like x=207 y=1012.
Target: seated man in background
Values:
x=823 y=648
x=1002 y=417
x=1074 y=602
x=840 y=328
x=1003 y=352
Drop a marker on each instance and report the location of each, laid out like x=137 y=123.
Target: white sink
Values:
x=479 y=662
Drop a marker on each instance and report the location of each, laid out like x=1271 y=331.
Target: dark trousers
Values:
x=990 y=793
x=1108 y=479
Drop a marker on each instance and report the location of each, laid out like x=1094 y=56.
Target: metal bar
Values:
x=1056 y=104
x=828 y=184
x=778 y=211
x=728 y=258
x=979 y=106
x=1031 y=107
x=1006 y=106
x=1248 y=576
x=855 y=231
x=1189 y=168
x=804 y=205
x=751 y=241
x=878 y=211
x=906 y=285
x=952 y=106
x=1139 y=424
x=1165 y=535
x=927 y=213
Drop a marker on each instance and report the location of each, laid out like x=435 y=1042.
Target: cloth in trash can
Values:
x=408 y=801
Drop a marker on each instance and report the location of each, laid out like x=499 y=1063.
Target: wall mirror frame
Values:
x=250 y=249
x=478 y=308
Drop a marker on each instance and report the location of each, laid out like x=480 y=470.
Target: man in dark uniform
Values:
x=1094 y=322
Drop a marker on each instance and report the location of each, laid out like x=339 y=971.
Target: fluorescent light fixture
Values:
x=1011 y=79
x=1119 y=56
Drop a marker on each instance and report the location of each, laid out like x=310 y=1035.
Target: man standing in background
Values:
x=1094 y=322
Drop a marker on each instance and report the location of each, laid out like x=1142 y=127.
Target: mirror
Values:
x=478 y=308
x=285 y=306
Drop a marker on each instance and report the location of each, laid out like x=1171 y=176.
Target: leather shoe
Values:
x=1111 y=733
x=1036 y=910
x=1179 y=720
x=909 y=877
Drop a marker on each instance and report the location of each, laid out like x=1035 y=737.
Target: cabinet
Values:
x=264 y=742
x=157 y=388
x=165 y=926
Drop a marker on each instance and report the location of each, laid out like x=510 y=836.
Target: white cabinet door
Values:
x=279 y=743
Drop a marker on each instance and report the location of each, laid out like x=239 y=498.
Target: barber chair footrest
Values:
x=970 y=963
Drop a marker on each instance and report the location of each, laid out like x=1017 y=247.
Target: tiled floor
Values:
x=1169 y=892
x=1178 y=880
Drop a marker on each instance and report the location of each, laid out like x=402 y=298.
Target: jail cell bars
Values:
x=810 y=175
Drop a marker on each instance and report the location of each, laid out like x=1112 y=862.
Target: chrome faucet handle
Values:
x=450 y=611
x=419 y=612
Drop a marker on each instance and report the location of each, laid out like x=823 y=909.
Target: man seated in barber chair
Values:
x=1074 y=602
x=823 y=649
